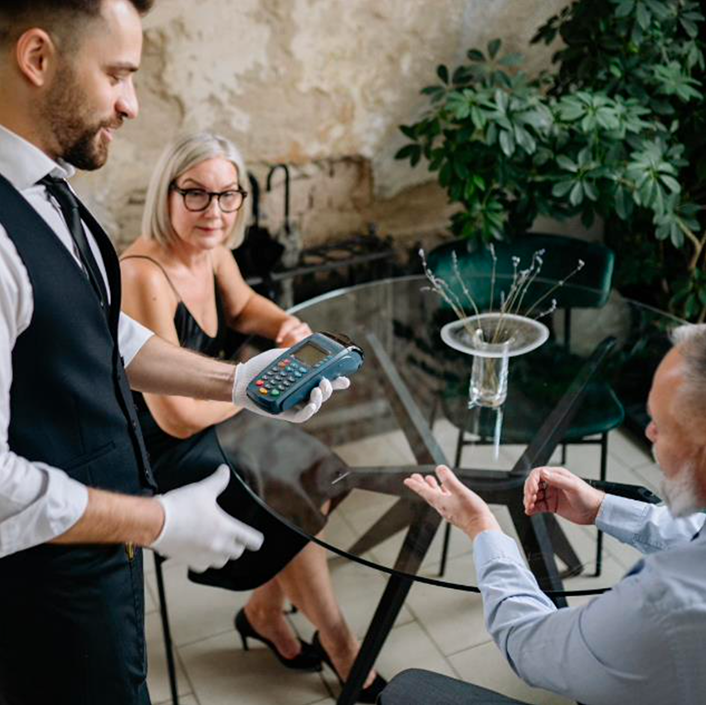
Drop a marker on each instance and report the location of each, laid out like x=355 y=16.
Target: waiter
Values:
x=75 y=483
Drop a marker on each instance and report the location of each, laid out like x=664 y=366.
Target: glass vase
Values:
x=488 y=384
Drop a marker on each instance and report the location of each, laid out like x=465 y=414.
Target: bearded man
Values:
x=73 y=464
x=643 y=641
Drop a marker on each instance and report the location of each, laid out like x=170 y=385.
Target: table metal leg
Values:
x=384 y=618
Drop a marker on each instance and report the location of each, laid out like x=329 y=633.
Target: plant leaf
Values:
x=507 y=143
x=494 y=47
x=561 y=188
x=576 y=195
x=405 y=152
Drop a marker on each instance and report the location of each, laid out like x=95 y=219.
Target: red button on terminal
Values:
x=259 y=383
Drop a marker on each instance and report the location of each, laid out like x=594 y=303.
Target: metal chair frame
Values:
x=166 y=629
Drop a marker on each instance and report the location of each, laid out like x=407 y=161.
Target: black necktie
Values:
x=69 y=207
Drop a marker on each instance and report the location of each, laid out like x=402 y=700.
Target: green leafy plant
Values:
x=611 y=133
x=651 y=50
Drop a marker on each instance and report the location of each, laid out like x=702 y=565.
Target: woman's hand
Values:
x=291 y=332
x=558 y=491
x=454 y=501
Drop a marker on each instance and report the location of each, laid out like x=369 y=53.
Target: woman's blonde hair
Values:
x=185 y=152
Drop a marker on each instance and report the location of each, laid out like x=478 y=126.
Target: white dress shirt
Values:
x=37 y=502
x=642 y=642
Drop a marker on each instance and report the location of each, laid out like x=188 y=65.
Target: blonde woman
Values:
x=181 y=280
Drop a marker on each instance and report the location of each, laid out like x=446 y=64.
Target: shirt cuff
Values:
x=131 y=337
x=491 y=546
x=621 y=517
x=60 y=504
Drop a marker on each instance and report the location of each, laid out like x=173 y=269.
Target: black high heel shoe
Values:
x=366 y=695
x=308 y=659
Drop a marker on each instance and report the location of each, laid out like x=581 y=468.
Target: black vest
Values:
x=70 y=402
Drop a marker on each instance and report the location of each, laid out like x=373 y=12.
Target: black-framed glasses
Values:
x=196 y=199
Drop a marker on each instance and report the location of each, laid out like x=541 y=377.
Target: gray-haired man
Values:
x=644 y=641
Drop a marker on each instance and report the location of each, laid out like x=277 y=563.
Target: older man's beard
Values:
x=681 y=492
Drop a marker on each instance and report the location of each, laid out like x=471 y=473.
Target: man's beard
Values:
x=681 y=492
x=65 y=110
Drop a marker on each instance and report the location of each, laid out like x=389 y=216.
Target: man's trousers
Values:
x=72 y=627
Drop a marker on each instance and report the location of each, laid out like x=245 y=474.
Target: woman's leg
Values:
x=264 y=611
x=306 y=581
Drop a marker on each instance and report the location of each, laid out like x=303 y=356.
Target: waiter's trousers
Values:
x=72 y=627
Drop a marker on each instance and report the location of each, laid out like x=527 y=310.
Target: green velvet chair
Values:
x=538 y=379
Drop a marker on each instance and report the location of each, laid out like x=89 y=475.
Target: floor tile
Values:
x=625 y=448
x=151 y=604
x=452 y=618
x=358 y=590
x=196 y=611
x=407 y=646
x=651 y=477
x=187 y=700
x=485 y=666
x=223 y=674
x=383 y=449
x=157 y=678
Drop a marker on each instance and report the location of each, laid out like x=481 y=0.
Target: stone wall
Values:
x=319 y=84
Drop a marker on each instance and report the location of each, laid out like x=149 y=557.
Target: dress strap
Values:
x=154 y=261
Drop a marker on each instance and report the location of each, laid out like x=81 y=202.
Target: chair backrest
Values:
x=588 y=288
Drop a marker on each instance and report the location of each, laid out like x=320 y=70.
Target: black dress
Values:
x=177 y=462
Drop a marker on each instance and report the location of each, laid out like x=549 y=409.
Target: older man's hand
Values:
x=454 y=501
x=558 y=491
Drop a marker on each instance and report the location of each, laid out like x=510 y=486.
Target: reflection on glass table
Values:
x=556 y=394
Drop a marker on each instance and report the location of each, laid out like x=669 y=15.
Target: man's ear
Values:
x=36 y=55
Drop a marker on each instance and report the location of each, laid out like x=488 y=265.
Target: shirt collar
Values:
x=23 y=164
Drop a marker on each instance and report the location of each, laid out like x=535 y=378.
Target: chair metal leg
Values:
x=168 y=644
x=445 y=549
x=447 y=529
x=603 y=472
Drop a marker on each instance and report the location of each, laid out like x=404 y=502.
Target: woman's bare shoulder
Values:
x=140 y=266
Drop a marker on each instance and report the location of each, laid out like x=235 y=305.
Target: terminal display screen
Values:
x=310 y=354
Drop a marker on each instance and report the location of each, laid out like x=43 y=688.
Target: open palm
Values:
x=456 y=503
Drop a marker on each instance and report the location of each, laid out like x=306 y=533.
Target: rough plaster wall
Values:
x=319 y=84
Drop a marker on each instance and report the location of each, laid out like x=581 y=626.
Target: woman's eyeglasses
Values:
x=196 y=199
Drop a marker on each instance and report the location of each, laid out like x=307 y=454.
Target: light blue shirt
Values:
x=643 y=642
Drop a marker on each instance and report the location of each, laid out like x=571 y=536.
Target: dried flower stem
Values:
x=558 y=285
x=464 y=288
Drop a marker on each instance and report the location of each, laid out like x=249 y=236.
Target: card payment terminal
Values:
x=288 y=381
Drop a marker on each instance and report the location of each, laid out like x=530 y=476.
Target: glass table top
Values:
x=407 y=410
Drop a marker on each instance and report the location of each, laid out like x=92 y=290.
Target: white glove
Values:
x=197 y=531
x=246 y=372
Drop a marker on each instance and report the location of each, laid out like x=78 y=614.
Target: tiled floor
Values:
x=438 y=629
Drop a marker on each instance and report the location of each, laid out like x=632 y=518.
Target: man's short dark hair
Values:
x=16 y=16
